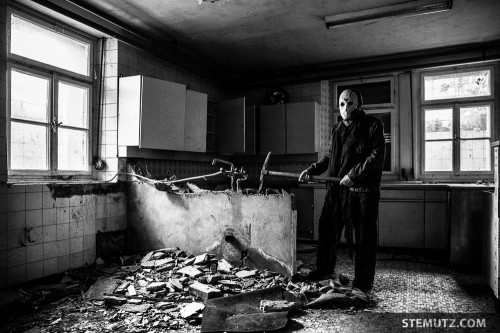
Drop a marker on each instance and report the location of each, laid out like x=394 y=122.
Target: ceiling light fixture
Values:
x=410 y=8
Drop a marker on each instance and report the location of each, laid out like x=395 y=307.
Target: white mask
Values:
x=348 y=104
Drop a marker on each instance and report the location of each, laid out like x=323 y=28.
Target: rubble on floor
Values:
x=165 y=289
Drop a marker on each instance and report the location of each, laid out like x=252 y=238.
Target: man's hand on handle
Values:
x=346 y=181
x=304 y=176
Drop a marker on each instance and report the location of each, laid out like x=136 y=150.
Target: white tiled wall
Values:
x=62 y=230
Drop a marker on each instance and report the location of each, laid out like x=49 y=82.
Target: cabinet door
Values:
x=162 y=114
x=272 y=129
x=302 y=128
x=401 y=219
x=129 y=112
x=195 y=125
x=230 y=126
x=304 y=199
x=436 y=219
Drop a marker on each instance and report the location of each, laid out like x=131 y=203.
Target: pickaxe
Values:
x=264 y=172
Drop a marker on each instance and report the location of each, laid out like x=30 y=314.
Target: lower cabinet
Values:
x=407 y=217
x=413 y=218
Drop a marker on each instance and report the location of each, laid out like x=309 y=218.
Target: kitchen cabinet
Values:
x=309 y=199
x=401 y=218
x=158 y=114
x=436 y=219
x=291 y=128
x=235 y=127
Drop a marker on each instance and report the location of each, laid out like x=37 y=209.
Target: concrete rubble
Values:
x=165 y=289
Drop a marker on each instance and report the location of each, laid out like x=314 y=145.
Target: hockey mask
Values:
x=348 y=104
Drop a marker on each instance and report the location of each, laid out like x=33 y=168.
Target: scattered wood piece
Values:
x=191 y=309
x=190 y=271
x=204 y=291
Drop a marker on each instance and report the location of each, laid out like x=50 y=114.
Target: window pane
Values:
x=438 y=124
x=438 y=156
x=73 y=105
x=28 y=144
x=475 y=122
x=29 y=97
x=72 y=150
x=37 y=42
x=457 y=85
x=475 y=155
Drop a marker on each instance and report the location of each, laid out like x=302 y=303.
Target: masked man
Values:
x=356 y=155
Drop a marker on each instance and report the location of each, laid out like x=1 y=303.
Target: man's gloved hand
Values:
x=346 y=181
x=304 y=176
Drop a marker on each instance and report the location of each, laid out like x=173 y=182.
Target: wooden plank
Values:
x=272 y=129
x=230 y=126
x=163 y=114
x=195 y=122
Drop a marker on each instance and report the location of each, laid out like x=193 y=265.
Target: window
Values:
x=378 y=101
x=50 y=91
x=457 y=126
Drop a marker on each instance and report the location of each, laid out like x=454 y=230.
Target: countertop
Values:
x=420 y=185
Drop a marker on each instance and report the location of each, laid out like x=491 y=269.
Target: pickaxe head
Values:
x=262 y=172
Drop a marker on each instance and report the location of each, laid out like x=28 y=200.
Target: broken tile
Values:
x=246 y=274
x=131 y=290
x=102 y=286
x=224 y=266
x=190 y=271
x=155 y=286
x=114 y=300
x=204 y=291
x=134 y=308
x=278 y=306
x=191 y=309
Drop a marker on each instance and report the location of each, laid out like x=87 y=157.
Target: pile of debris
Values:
x=168 y=289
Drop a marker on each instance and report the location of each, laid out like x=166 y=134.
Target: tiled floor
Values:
x=409 y=289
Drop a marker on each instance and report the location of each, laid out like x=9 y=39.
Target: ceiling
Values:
x=254 y=36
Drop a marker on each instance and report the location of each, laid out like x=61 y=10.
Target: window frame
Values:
x=391 y=107
x=455 y=175
x=54 y=75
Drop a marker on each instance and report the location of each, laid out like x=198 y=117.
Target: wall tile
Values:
x=16 y=257
x=16 y=275
x=100 y=211
x=89 y=242
x=34 y=218
x=89 y=256
x=35 y=236
x=76 y=260
x=16 y=202
x=34 y=253
x=47 y=200
x=49 y=233
x=75 y=229
x=15 y=238
x=91 y=212
x=49 y=216
x=75 y=245
x=62 y=202
x=63 y=231
x=89 y=228
x=3 y=222
x=63 y=263
x=78 y=213
x=50 y=250
x=63 y=247
x=16 y=220
x=3 y=241
x=34 y=200
x=3 y=260
x=75 y=200
x=62 y=215
x=33 y=188
x=50 y=266
x=34 y=270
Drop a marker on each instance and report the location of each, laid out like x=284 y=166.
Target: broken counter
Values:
x=262 y=228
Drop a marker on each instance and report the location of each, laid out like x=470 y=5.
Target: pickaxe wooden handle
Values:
x=296 y=175
x=264 y=172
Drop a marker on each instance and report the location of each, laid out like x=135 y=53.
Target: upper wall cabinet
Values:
x=158 y=114
x=291 y=128
x=235 y=127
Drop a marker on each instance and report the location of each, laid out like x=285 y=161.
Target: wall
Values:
x=64 y=222
x=265 y=226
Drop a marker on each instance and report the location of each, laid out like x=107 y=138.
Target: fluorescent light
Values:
x=410 y=8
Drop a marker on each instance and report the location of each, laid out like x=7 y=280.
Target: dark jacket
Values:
x=361 y=157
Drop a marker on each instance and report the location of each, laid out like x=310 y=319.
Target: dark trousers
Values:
x=363 y=213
